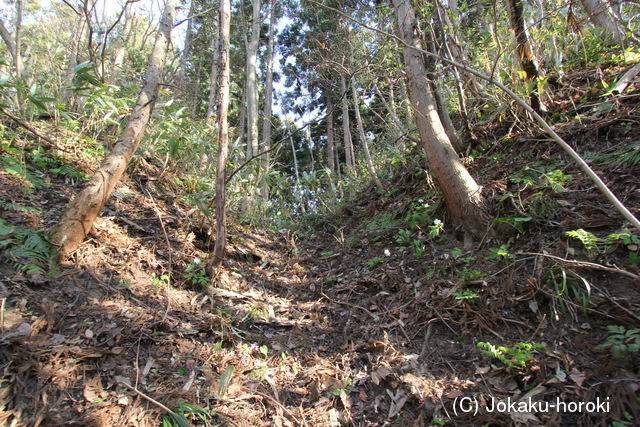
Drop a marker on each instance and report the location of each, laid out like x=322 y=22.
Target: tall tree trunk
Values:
x=331 y=158
x=462 y=195
x=81 y=213
x=184 y=57
x=299 y=195
x=525 y=53
x=76 y=42
x=268 y=104
x=121 y=43
x=363 y=138
x=214 y=263
x=213 y=79
x=601 y=16
x=348 y=143
x=18 y=57
x=251 y=88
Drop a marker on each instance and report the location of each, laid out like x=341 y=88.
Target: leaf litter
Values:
x=333 y=324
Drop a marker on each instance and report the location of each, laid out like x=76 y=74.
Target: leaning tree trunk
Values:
x=78 y=219
x=214 y=264
x=462 y=195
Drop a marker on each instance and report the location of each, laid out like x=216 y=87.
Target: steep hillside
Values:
x=374 y=315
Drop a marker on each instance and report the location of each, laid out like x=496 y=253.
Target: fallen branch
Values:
x=626 y=79
x=30 y=128
x=585 y=264
x=155 y=402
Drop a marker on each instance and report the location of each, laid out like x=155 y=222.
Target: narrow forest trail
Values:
x=368 y=316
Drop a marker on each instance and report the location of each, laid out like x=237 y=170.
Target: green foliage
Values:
x=543 y=173
x=28 y=174
x=466 y=295
x=516 y=223
x=27 y=249
x=516 y=357
x=56 y=166
x=621 y=341
x=374 y=262
x=182 y=411
x=468 y=275
x=565 y=287
x=629 y=154
x=403 y=238
x=196 y=273
x=161 y=280
x=502 y=251
x=418 y=247
x=420 y=213
x=436 y=228
x=589 y=240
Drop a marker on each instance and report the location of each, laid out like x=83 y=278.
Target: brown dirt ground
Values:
x=334 y=323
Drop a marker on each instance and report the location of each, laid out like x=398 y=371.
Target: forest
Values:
x=320 y=213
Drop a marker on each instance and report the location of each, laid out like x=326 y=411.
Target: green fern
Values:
x=629 y=154
x=28 y=250
x=13 y=207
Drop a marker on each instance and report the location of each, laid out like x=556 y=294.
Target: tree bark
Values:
x=268 y=104
x=80 y=215
x=18 y=57
x=462 y=195
x=121 y=43
x=214 y=263
x=252 y=83
x=363 y=138
x=213 y=79
x=184 y=57
x=601 y=16
x=525 y=53
x=331 y=158
x=348 y=143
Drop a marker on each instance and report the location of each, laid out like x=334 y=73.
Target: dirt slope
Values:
x=365 y=318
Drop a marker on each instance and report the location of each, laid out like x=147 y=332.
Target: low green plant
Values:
x=436 y=228
x=180 y=412
x=403 y=238
x=28 y=250
x=160 y=280
x=588 y=239
x=516 y=357
x=196 y=273
x=254 y=313
x=468 y=275
x=374 y=262
x=418 y=248
x=565 y=287
x=502 y=251
x=466 y=295
x=622 y=341
x=556 y=180
x=516 y=223
x=420 y=213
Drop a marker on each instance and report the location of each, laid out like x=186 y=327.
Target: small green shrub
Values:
x=516 y=357
x=196 y=273
x=621 y=341
x=28 y=250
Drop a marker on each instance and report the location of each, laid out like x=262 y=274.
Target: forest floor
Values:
x=357 y=318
